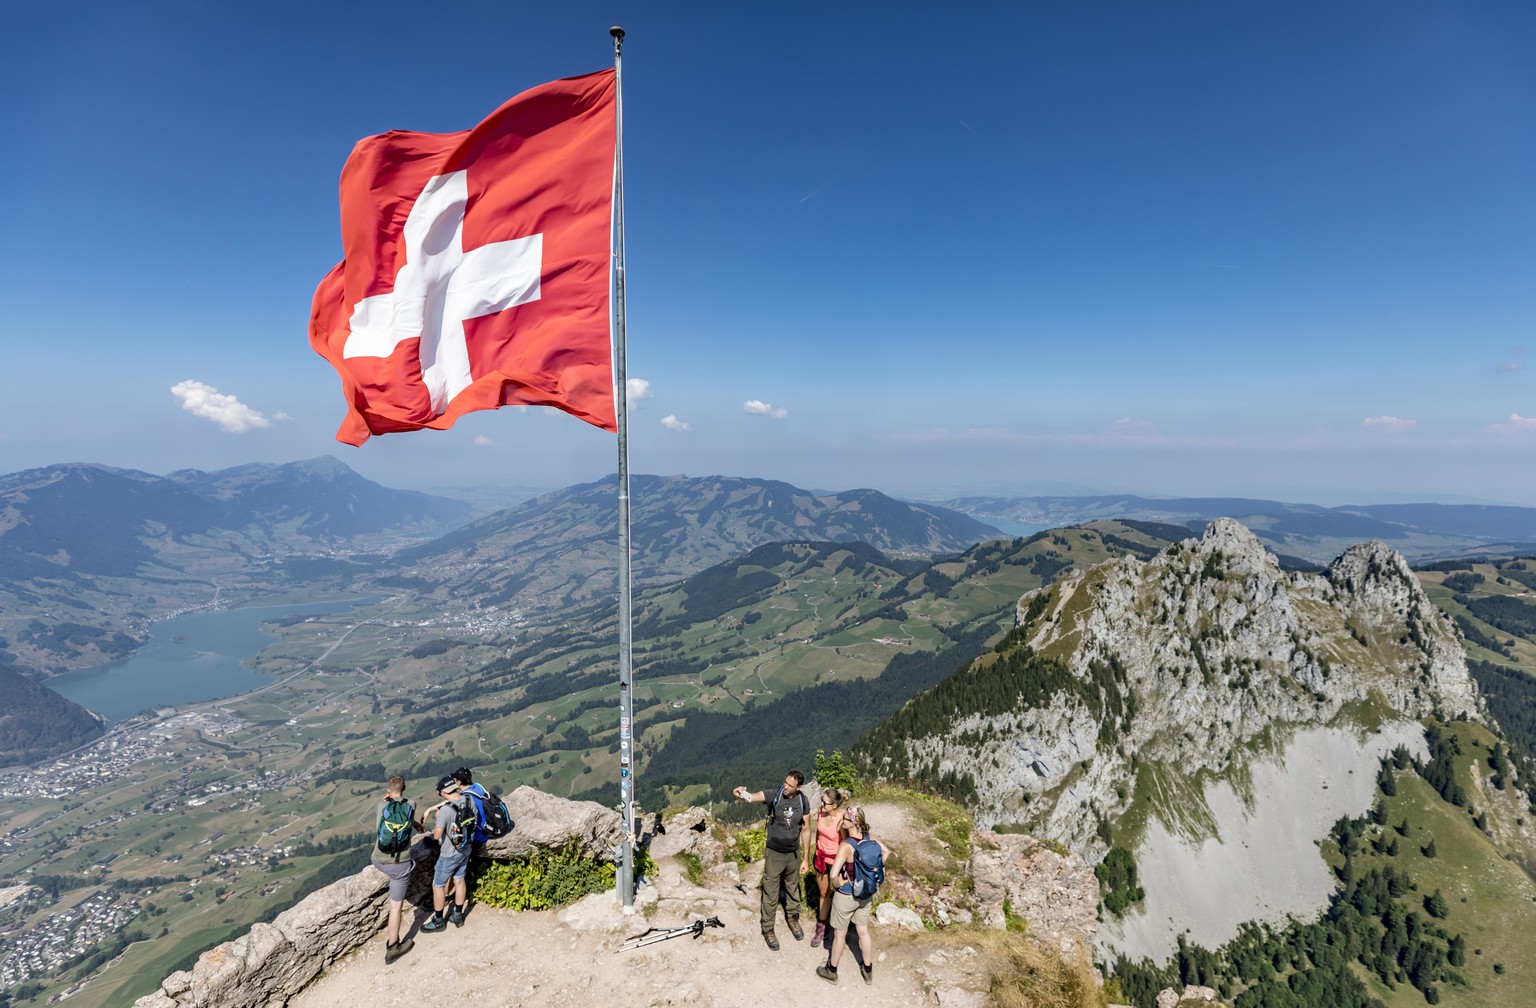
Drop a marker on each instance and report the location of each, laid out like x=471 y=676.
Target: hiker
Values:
x=392 y=855
x=452 y=829
x=492 y=818
x=828 y=838
x=789 y=844
x=846 y=907
x=467 y=782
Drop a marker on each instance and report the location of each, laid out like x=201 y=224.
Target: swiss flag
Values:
x=477 y=269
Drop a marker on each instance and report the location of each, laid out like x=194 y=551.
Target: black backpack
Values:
x=461 y=832
x=497 y=819
x=395 y=827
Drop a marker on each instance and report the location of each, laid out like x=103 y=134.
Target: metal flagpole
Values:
x=626 y=872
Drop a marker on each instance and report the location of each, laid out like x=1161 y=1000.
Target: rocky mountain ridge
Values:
x=1182 y=666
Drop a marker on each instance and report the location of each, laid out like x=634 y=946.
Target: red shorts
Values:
x=823 y=862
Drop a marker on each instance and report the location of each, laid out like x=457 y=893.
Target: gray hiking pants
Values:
x=781 y=870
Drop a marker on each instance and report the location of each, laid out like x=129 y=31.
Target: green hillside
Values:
x=1430 y=906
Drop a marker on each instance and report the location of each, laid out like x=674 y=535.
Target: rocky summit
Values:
x=1137 y=679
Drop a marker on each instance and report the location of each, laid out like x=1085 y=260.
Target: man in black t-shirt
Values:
x=788 y=849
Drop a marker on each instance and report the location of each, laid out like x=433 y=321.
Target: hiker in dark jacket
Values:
x=788 y=853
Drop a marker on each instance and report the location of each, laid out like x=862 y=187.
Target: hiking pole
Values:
x=645 y=938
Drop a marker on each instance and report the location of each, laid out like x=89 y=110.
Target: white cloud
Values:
x=1389 y=424
x=671 y=422
x=637 y=389
x=209 y=403
x=280 y=415
x=1517 y=425
x=1129 y=430
x=481 y=441
x=760 y=408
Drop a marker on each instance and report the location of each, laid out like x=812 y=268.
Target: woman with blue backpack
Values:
x=860 y=863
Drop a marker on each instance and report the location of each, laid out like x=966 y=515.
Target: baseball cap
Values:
x=449 y=783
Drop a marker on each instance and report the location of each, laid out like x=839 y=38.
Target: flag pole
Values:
x=625 y=879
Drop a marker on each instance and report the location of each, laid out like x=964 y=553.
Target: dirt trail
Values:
x=570 y=959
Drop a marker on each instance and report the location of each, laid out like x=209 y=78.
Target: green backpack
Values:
x=395 y=827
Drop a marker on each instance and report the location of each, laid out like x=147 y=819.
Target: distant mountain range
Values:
x=560 y=549
x=89 y=554
x=65 y=521
x=1315 y=533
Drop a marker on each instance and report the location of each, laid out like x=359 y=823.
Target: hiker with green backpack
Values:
x=392 y=857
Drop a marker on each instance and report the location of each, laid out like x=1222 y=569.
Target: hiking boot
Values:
x=398 y=949
x=456 y=916
x=437 y=923
x=772 y=940
x=796 y=930
x=821 y=932
x=827 y=973
x=869 y=974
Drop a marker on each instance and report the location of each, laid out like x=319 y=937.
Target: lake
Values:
x=1015 y=529
x=188 y=659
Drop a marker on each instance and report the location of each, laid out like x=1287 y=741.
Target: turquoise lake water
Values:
x=207 y=664
x=1015 y=529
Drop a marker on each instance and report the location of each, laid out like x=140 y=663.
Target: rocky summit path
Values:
x=570 y=959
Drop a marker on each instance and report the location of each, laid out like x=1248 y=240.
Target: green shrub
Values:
x=835 y=772
x=547 y=877
x=750 y=845
x=693 y=867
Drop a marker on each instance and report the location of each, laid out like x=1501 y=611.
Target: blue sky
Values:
x=1199 y=248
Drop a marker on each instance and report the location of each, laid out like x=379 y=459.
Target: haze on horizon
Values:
x=1204 y=251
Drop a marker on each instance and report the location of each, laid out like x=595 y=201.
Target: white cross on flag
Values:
x=477 y=269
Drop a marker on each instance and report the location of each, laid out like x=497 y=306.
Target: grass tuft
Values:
x=1028 y=975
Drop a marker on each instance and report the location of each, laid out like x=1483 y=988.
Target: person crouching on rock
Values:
x=828 y=838
x=846 y=908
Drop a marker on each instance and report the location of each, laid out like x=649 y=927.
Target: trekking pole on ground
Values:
x=662 y=934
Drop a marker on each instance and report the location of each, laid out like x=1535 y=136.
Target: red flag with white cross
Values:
x=477 y=269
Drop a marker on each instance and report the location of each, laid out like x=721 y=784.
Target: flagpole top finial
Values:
x=617 y=32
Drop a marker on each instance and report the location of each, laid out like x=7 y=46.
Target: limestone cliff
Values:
x=1137 y=681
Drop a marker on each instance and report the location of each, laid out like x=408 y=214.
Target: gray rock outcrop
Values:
x=1054 y=892
x=273 y=962
x=1184 y=665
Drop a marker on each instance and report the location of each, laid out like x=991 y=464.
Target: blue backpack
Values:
x=493 y=817
x=868 y=868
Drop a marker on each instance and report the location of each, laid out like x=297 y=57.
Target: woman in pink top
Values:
x=827 y=839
